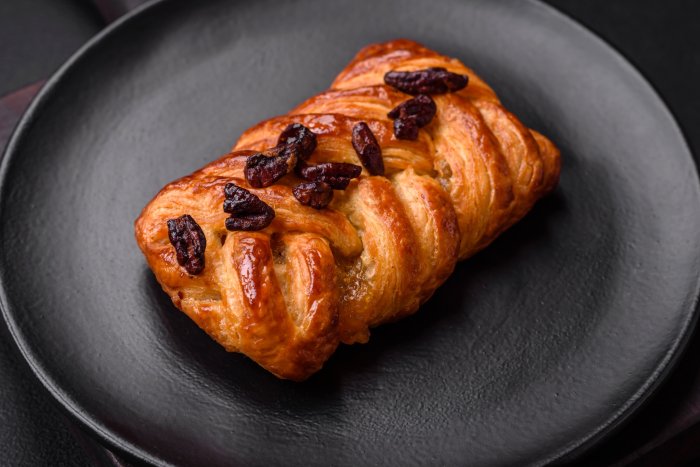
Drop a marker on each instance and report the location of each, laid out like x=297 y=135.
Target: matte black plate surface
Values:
x=533 y=350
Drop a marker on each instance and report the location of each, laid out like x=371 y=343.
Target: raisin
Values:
x=262 y=171
x=367 y=148
x=421 y=107
x=336 y=174
x=249 y=222
x=315 y=194
x=435 y=80
x=411 y=115
x=299 y=137
x=189 y=242
x=406 y=128
x=241 y=201
x=295 y=143
x=248 y=212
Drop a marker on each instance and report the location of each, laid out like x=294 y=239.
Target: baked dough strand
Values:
x=287 y=295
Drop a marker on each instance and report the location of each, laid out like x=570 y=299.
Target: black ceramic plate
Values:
x=532 y=351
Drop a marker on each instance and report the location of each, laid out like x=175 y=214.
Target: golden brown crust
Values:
x=287 y=295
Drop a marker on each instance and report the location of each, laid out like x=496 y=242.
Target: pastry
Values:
x=347 y=212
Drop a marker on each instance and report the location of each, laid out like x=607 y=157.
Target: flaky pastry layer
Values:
x=287 y=295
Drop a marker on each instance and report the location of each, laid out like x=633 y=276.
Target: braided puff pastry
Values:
x=288 y=294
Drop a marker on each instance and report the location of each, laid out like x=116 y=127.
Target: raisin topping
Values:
x=411 y=115
x=296 y=142
x=315 y=194
x=262 y=170
x=421 y=107
x=300 y=138
x=436 y=80
x=248 y=212
x=336 y=174
x=367 y=148
x=406 y=129
x=249 y=222
x=189 y=242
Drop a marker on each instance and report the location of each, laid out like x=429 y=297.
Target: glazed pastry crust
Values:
x=287 y=295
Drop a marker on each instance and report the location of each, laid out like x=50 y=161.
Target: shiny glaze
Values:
x=287 y=295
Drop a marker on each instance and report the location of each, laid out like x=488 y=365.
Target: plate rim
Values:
x=574 y=450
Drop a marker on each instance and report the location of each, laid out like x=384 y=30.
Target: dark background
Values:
x=661 y=38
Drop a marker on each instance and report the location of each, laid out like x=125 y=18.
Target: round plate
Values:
x=532 y=350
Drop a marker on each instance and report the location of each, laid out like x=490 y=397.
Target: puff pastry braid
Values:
x=288 y=294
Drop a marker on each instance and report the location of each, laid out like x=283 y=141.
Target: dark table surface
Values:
x=660 y=38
